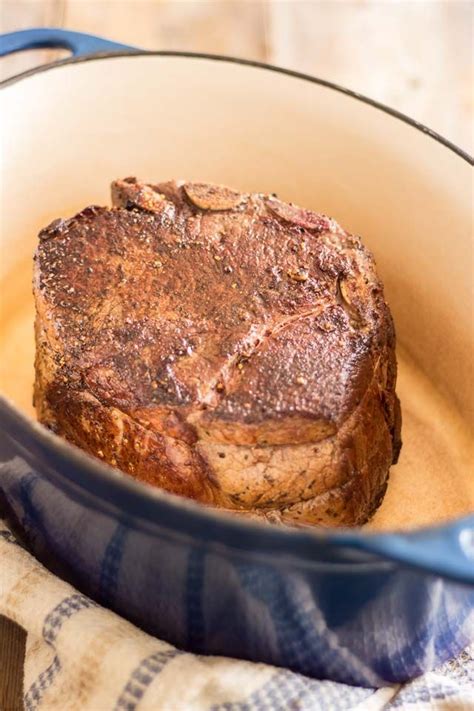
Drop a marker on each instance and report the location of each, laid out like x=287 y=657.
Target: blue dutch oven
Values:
x=350 y=605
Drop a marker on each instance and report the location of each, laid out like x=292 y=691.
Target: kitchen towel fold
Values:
x=80 y=656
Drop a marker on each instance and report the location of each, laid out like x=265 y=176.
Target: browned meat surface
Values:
x=224 y=346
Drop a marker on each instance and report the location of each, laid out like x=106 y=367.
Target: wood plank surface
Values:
x=12 y=653
x=413 y=56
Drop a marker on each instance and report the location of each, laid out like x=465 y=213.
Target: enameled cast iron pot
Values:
x=348 y=605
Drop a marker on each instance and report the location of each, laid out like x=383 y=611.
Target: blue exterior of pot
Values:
x=345 y=605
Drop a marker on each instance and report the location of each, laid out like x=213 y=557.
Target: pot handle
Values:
x=78 y=43
x=448 y=552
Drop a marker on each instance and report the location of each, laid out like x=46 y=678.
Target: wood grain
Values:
x=12 y=653
x=414 y=56
x=229 y=27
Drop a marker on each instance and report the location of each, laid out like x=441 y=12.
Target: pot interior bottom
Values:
x=431 y=483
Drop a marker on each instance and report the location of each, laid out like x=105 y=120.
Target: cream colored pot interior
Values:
x=67 y=132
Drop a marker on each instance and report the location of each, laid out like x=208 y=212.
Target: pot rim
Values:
x=249 y=63
x=152 y=507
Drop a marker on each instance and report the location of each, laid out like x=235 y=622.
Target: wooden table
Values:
x=414 y=56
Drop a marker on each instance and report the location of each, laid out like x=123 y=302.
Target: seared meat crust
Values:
x=224 y=346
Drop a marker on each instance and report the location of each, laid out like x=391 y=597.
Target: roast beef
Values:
x=224 y=346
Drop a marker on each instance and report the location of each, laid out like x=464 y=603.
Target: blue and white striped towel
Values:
x=80 y=656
